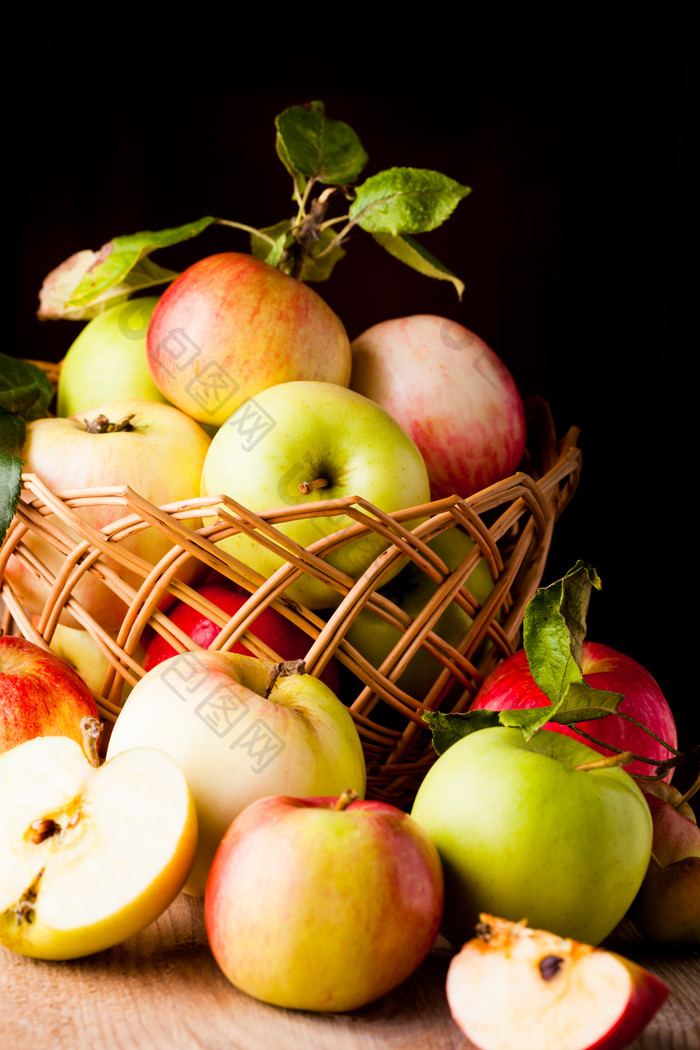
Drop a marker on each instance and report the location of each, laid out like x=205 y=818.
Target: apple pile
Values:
x=237 y=776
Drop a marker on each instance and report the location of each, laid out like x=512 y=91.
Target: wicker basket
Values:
x=510 y=522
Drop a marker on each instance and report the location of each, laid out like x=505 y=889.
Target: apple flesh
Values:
x=511 y=685
x=40 y=694
x=240 y=728
x=154 y=448
x=88 y=856
x=534 y=829
x=324 y=442
x=108 y=359
x=272 y=628
x=450 y=392
x=231 y=325
x=512 y=987
x=315 y=904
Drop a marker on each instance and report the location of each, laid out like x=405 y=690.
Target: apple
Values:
x=411 y=590
x=154 y=448
x=322 y=904
x=40 y=694
x=231 y=325
x=88 y=856
x=240 y=728
x=540 y=829
x=512 y=987
x=667 y=908
x=450 y=392
x=107 y=360
x=272 y=628
x=511 y=685
x=322 y=442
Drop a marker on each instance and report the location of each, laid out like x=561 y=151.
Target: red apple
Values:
x=322 y=904
x=287 y=641
x=231 y=325
x=40 y=694
x=450 y=392
x=516 y=988
x=511 y=685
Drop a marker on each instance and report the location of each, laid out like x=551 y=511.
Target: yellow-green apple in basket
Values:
x=231 y=325
x=154 y=448
x=534 y=828
x=322 y=904
x=107 y=359
x=511 y=685
x=240 y=728
x=88 y=855
x=314 y=441
x=411 y=591
x=515 y=987
x=40 y=694
x=450 y=392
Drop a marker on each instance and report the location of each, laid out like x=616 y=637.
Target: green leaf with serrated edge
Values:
x=310 y=145
x=580 y=703
x=405 y=200
x=409 y=251
x=12 y=432
x=447 y=729
x=272 y=251
x=554 y=627
x=24 y=388
x=119 y=256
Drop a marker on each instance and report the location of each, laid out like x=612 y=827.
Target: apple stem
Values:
x=345 y=799
x=606 y=762
x=307 y=487
x=91 y=731
x=101 y=425
x=287 y=667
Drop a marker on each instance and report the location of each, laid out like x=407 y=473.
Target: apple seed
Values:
x=42 y=829
x=23 y=910
x=550 y=966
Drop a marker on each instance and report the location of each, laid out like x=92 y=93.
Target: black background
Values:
x=574 y=244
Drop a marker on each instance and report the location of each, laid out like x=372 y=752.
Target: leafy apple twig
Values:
x=325 y=159
x=554 y=629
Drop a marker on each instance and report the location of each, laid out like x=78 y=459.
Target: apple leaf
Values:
x=554 y=627
x=25 y=394
x=447 y=729
x=312 y=146
x=409 y=251
x=405 y=200
x=271 y=242
x=120 y=256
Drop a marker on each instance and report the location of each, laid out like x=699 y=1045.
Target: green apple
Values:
x=88 y=855
x=108 y=359
x=540 y=829
x=240 y=728
x=315 y=441
x=322 y=903
x=411 y=590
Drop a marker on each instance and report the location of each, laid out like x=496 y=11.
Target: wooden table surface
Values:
x=162 y=990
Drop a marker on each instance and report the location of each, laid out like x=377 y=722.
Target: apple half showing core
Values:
x=88 y=855
x=516 y=988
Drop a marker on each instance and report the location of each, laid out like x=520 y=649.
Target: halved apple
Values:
x=514 y=988
x=88 y=855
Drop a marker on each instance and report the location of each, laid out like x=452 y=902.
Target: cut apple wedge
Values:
x=88 y=856
x=516 y=988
